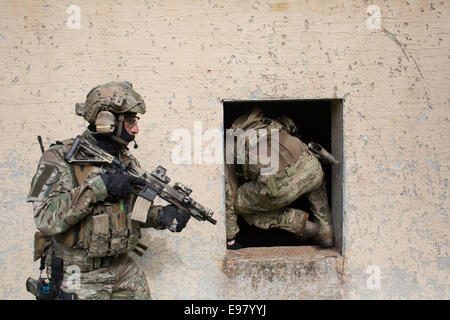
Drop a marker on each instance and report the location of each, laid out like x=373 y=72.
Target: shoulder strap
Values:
x=79 y=173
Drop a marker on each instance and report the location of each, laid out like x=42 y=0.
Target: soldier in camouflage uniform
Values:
x=263 y=200
x=82 y=213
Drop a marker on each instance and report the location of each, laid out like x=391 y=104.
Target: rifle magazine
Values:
x=140 y=210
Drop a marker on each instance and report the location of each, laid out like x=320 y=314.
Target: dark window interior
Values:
x=313 y=119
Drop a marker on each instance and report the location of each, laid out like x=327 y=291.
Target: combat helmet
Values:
x=107 y=104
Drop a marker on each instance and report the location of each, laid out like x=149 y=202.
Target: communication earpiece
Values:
x=105 y=122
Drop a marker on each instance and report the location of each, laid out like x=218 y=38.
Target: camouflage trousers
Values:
x=264 y=203
x=122 y=280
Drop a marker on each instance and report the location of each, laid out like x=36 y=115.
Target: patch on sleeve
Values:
x=43 y=176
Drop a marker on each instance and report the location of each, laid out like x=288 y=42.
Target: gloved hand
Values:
x=232 y=244
x=118 y=185
x=172 y=218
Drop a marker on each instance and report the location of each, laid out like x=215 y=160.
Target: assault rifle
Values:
x=146 y=186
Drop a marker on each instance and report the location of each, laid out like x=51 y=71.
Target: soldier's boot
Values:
x=289 y=219
x=311 y=230
x=320 y=209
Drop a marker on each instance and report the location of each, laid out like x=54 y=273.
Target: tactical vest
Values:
x=255 y=120
x=109 y=230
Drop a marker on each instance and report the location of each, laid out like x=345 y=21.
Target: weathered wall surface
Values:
x=184 y=57
x=303 y=272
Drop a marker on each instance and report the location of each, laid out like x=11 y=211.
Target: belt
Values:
x=102 y=262
x=79 y=258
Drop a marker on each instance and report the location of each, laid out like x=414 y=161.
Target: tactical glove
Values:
x=232 y=244
x=118 y=185
x=172 y=218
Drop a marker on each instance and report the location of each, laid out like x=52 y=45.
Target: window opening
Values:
x=319 y=121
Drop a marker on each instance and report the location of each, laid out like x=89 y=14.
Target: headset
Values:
x=105 y=122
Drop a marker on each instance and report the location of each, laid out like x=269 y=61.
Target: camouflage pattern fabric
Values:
x=231 y=186
x=318 y=203
x=269 y=193
x=289 y=219
x=62 y=205
x=115 y=96
x=263 y=201
x=58 y=204
x=122 y=280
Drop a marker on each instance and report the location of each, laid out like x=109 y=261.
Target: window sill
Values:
x=303 y=272
x=284 y=253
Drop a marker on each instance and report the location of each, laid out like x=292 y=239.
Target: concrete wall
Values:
x=184 y=57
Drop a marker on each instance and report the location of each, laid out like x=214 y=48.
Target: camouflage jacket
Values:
x=74 y=210
x=288 y=149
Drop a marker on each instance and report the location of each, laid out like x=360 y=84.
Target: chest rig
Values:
x=256 y=121
x=108 y=230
